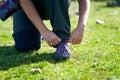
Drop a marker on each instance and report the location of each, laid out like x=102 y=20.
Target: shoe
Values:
x=63 y=50
x=8 y=8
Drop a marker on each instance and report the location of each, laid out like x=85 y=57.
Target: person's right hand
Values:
x=51 y=38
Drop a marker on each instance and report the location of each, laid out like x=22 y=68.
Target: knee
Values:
x=26 y=41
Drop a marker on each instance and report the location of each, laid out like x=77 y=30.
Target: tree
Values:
x=118 y=2
x=113 y=3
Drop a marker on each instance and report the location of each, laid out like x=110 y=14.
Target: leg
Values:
x=26 y=36
x=58 y=10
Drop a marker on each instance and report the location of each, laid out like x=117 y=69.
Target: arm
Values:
x=77 y=35
x=33 y=15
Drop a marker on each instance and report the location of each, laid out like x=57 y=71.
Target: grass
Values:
x=96 y=58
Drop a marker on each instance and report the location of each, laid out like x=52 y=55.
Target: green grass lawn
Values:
x=96 y=58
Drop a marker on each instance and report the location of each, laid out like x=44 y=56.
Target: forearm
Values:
x=33 y=15
x=50 y=37
x=77 y=35
x=84 y=7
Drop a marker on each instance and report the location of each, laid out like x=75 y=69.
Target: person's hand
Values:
x=77 y=35
x=51 y=38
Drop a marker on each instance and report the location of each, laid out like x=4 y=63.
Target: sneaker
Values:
x=8 y=8
x=63 y=50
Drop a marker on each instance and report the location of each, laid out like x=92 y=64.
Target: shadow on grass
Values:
x=10 y=58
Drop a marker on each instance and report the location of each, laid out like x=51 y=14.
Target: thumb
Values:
x=71 y=39
x=59 y=40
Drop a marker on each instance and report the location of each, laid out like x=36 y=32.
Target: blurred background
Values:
x=96 y=58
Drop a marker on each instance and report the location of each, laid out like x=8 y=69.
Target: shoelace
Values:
x=62 y=47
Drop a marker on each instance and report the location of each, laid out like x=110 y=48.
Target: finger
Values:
x=58 y=39
x=71 y=40
x=50 y=44
x=76 y=41
x=55 y=41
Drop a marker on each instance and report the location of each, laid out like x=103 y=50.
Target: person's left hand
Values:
x=77 y=35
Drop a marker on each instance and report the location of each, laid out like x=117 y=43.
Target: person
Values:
x=28 y=25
